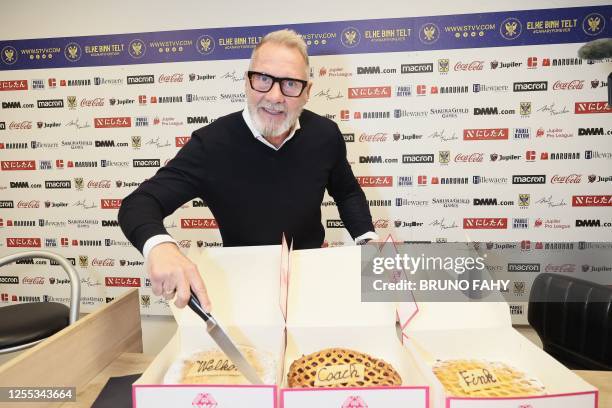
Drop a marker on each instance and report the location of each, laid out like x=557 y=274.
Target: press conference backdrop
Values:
x=482 y=127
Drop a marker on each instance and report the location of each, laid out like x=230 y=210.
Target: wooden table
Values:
x=133 y=363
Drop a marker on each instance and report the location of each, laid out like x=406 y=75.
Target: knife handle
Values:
x=194 y=304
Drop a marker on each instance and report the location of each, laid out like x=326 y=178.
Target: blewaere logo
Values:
x=530 y=86
x=370 y=92
x=103 y=123
x=110 y=203
x=591 y=107
x=12 y=165
x=375 y=181
x=486 y=134
x=23 y=242
x=592 y=201
x=199 y=223
x=485 y=223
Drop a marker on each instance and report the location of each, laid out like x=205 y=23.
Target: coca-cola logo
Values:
x=569 y=179
x=92 y=102
x=184 y=243
x=470 y=66
x=28 y=280
x=28 y=204
x=24 y=125
x=560 y=268
x=469 y=158
x=103 y=262
x=170 y=78
x=99 y=184
x=381 y=223
x=568 y=85
x=376 y=137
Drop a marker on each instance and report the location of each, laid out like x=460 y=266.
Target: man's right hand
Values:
x=170 y=271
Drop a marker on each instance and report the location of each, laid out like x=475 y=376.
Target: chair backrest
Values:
x=573 y=318
x=75 y=283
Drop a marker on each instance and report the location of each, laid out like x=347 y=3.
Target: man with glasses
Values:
x=262 y=172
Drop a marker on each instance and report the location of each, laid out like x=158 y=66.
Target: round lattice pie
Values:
x=337 y=367
x=477 y=378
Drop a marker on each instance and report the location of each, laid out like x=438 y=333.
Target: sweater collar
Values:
x=249 y=122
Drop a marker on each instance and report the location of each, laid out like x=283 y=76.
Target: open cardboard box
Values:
x=324 y=311
x=244 y=288
x=251 y=290
x=483 y=331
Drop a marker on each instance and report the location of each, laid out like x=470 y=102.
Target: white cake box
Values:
x=483 y=331
x=325 y=311
x=244 y=285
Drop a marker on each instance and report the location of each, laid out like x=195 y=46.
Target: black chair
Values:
x=573 y=318
x=27 y=324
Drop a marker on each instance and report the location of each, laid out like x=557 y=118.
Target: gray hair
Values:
x=288 y=38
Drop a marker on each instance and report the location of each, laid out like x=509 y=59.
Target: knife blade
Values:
x=220 y=337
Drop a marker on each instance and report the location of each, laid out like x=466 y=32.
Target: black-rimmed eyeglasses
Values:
x=261 y=82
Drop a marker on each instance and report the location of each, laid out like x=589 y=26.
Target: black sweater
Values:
x=254 y=192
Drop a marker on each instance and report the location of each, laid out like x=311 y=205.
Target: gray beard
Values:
x=271 y=129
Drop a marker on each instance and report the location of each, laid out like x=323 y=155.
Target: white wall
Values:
x=41 y=18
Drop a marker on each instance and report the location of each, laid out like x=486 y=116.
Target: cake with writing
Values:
x=214 y=367
x=478 y=378
x=338 y=367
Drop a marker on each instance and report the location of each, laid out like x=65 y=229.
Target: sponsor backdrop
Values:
x=482 y=127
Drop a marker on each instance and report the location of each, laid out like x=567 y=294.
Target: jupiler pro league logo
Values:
x=350 y=37
x=137 y=48
x=429 y=33
x=73 y=52
x=8 y=55
x=511 y=28
x=205 y=44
